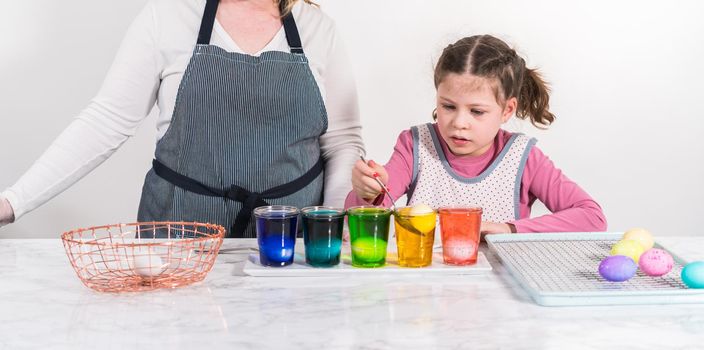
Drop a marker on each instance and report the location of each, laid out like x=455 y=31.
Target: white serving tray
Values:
x=299 y=268
x=561 y=269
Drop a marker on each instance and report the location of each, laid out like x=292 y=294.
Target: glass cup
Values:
x=415 y=234
x=369 y=234
x=276 y=234
x=322 y=235
x=460 y=232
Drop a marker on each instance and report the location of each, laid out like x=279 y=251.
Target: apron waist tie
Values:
x=249 y=199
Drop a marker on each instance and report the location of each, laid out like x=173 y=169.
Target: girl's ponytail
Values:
x=534 y=100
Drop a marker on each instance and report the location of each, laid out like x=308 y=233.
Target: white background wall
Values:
x=626 y=78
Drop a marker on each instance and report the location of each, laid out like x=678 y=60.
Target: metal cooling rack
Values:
x=563 y=269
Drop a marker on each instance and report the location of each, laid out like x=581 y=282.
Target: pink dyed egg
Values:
x=655 y=262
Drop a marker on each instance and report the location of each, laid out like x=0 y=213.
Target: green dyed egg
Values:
x=369 y=248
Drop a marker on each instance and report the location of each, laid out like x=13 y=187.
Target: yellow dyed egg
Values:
x=640 y=235
x=422 y=217
x=629 y=248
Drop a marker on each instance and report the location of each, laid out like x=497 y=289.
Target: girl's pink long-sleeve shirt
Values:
x=573 y=210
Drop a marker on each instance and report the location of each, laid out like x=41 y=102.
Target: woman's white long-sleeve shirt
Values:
x=148 y=69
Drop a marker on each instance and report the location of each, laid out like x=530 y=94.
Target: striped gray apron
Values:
x=244 y=133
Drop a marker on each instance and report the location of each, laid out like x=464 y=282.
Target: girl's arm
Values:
x=573 y=210
x=400 y=170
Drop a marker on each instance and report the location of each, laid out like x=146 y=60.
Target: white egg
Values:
x=459 y=249
x=148 y=265
x=420 y=209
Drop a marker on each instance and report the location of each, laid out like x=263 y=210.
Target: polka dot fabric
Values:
x=496 y=189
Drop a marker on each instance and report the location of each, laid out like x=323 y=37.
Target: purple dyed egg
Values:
x=617 y=268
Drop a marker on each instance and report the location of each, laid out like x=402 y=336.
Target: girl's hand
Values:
x=489 y=227
x=363 y=182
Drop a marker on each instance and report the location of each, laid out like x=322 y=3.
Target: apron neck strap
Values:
x=206 y=24
x=211 y=8
x=294 y=40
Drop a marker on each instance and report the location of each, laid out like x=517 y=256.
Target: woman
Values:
x=256 y=106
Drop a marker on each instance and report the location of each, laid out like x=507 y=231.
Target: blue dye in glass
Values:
x=276 y=235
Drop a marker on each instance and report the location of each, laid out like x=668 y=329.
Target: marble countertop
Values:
x=43 y=305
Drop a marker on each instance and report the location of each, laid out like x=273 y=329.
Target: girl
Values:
x=466 y=159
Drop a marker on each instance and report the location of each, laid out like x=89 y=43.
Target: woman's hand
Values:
x=489 y=227
x=363 y=182
x=7 y=215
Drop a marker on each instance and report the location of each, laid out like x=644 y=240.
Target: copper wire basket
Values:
x=143 y=256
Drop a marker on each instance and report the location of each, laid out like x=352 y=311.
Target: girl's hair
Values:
x=287 y=5
x=488 y=57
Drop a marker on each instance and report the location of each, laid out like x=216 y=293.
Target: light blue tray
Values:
x=562 y=269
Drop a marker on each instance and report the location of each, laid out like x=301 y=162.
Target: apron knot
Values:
x=249 y=200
